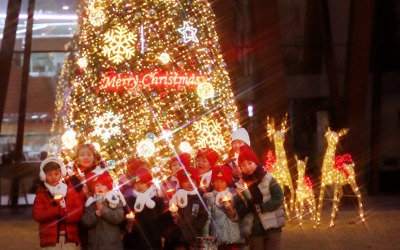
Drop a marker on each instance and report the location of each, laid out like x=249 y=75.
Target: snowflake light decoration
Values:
x=107 y=125
x=188 y=32
x=209 y=134
x=119 y=44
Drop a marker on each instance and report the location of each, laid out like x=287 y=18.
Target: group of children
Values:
x=232 y=205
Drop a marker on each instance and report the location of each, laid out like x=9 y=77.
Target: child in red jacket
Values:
x=57 y=208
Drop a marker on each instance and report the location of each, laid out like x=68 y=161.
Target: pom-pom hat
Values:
x=222 y=172
x=245 y=153
x=185 y=174
x=184 y=159
x=141 y=175
x=209 y=153
x=241 y=134
x=133 y=164
x=104 y=178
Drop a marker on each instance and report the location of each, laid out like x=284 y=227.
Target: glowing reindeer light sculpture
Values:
x=304 y=193
x=337 y=173
x=280 y=170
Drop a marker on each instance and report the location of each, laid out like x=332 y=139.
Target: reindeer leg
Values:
x=320 y=201
x=314 y=207
x=338 y=193
x=357 y=192
x=291 y=197
x=286 y=208
x=301 y=213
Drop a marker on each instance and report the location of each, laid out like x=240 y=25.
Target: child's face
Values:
x=85 y=158
x=141 y=187
x=53 y=177
x=100 y=188
x=219 y=185
x=236 y=144
x=202 y=165
x=188 y=186
x=248 y=167
x=175 y=167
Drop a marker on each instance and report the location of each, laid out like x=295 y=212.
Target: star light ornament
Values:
x=107 y=125
x=119 y=44
x=188 y=32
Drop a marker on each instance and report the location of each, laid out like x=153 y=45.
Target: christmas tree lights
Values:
x=150 y=81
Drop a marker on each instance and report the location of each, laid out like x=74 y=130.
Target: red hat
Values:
x=211 y=155
x=184 y=175
x=104 y=178
x=222 y=172
x=134 y=164
x=245 y=153
x=141 y=175
x=184 y=159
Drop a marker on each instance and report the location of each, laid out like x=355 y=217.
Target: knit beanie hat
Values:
x=104 y=178
x=142 y=175
x=184 y=175
x=184 y=158
x=245 y=153
x=222 y=172
x=134 y=164
x=211 y=155
x=241 y=134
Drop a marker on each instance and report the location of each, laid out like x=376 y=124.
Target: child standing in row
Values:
x=260 y=206
x=56 y=208
x=191 y=215
x=219 y=225
x=103 y=214
x=144 y=230
x=175 y=164
x=239 y=137
x=206 y=159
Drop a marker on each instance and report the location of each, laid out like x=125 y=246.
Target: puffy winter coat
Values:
x=51 y=216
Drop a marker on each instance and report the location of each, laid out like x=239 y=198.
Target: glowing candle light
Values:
x=58 y=197
x=173 y=208
x=130 y=216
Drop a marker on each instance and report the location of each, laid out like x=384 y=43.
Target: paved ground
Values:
x=381 y=230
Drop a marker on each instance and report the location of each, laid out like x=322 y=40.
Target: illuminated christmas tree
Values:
x=152 y=81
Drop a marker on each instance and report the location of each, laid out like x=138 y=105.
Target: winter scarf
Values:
x=252 y=182
x=180 y=197
x=144 y=199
